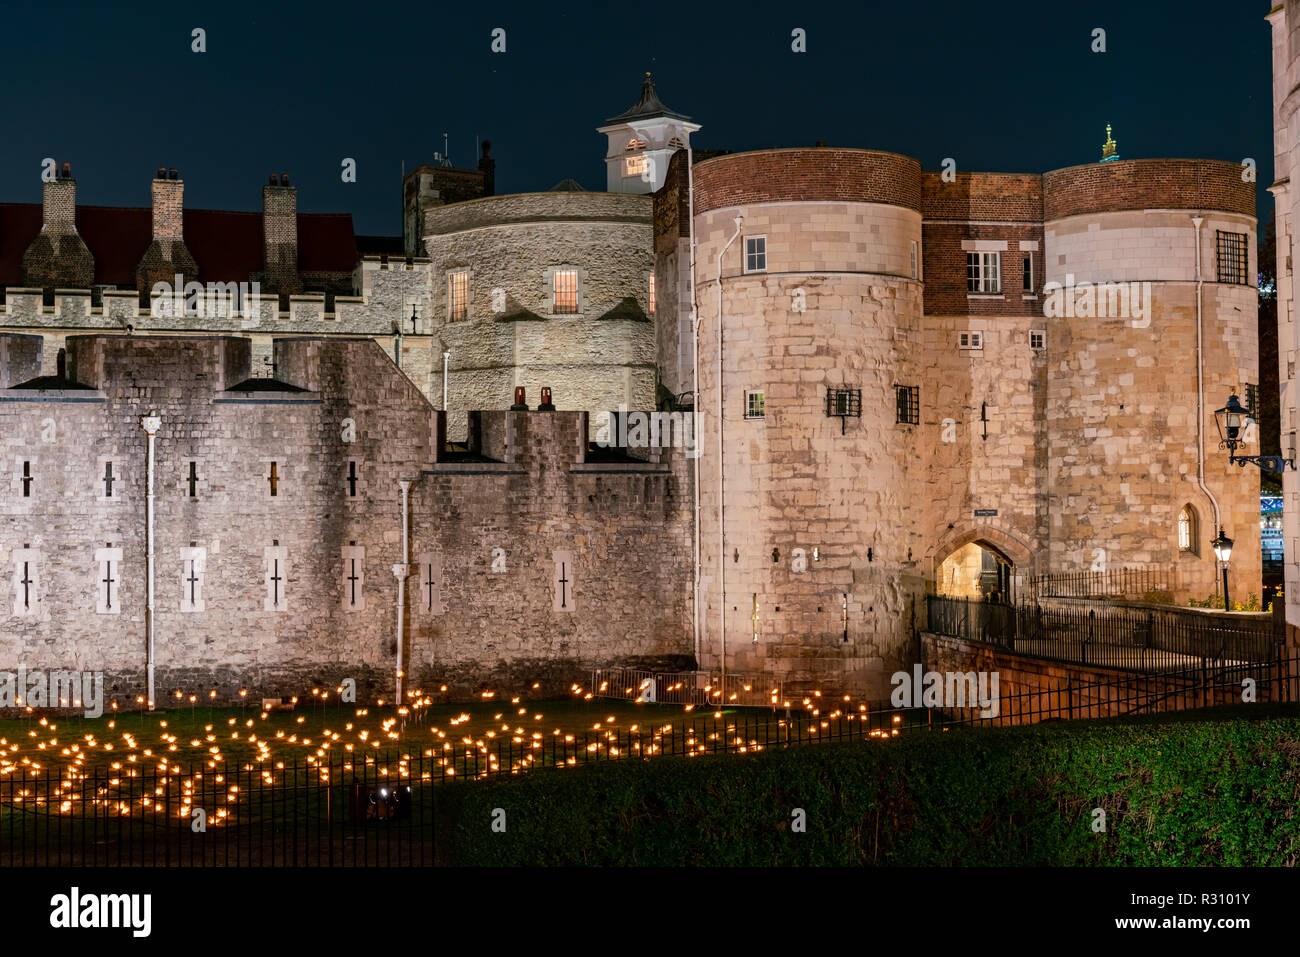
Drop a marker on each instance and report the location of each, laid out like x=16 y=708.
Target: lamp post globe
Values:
x=1222 y=546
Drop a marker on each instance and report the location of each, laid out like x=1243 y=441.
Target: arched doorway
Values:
x=976 y=570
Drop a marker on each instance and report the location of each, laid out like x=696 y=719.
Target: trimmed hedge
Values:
x=1223 y=792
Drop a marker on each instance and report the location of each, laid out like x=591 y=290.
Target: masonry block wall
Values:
x=543 y=563
x=278 y=524
x=1060 y=443
x=596 y=359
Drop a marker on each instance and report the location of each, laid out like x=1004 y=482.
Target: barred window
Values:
x=984 y=272
x=1232 y=257
x=565 y=286
x=458 y=294
x=1252 y=399
x=909 y=404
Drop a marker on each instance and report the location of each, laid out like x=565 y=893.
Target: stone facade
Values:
x=1059 y=443
x=1285 y=20
x=259 y=529
x=506 y=249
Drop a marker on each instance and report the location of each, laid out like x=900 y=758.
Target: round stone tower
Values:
x=1146 y=341
x=807 y=259
x=544 y=289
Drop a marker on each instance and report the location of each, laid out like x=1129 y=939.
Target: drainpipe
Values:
x=151 y=423
x=695 y=395
x=1200 y=382
x=400 y=572
x=722 y=558
x=445 y=357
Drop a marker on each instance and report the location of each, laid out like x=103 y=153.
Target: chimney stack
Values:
x=58 y=257
x=280 y=235
x=168 y=206
x=167 y=256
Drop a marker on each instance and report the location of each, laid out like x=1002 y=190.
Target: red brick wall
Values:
x=1017 y=197
x=793 y=175
x=944 y=270
x=1147 y=184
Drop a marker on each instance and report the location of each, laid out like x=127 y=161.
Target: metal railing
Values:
x=1143 y=638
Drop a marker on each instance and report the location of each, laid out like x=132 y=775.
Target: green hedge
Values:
x=1223 y=792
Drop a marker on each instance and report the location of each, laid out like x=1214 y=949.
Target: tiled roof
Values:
x=227 y=245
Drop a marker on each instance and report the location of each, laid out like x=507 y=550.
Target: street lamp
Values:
x=1233 y=420
x=1222 y=546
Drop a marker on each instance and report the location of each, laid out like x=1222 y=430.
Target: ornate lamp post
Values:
x=1232 y=420
x=1222 y=546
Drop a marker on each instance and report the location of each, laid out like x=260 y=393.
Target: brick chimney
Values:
x=167 y=254
x=280 y=234
x=58 y=257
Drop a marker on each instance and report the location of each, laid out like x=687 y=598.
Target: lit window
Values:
x=1187 y=529
x=652 y=292
x=634 y=166
x=636 y=143
x=754 y=405
x=458 y=294
x=755 y=253
x=565 y=291
x=984 y=272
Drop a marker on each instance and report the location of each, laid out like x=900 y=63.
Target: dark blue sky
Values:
x=1010 y=86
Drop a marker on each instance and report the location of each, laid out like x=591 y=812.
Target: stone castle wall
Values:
x=626 y=530
x=1057 y=443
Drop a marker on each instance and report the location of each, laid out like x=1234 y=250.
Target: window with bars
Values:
x=652 y=292
x=909 y=404
x=564 y=285
x=458 y=294
x=1232 y=257
x=755 y=253
x=755 y=405
x=984 y=272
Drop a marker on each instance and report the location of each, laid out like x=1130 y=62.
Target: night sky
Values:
x=1004 y=86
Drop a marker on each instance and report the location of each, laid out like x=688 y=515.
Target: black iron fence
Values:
x=383 y=809
x=1133 y=583
x=1143 y=638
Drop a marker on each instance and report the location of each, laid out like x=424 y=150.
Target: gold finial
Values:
x=1111 y=146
